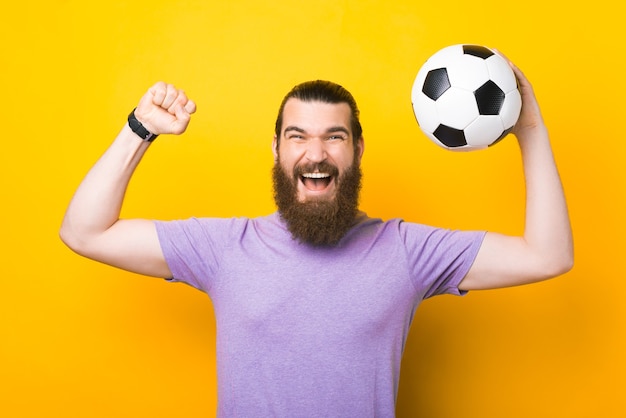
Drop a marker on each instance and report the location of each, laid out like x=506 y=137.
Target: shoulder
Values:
x=391 y=227
x=413 y=235
x=222 y=230
x=377 y=232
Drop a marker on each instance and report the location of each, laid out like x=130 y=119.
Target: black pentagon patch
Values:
x=436 y=83
x=489 y=98
x=477 y=51
x=450 y=137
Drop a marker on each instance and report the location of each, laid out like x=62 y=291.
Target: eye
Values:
x=336 y=137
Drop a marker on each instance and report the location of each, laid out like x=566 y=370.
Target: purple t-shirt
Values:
x=308 y=331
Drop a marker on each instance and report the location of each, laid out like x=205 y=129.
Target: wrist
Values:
x=140 y=130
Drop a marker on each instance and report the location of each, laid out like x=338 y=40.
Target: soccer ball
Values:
x=466 y=97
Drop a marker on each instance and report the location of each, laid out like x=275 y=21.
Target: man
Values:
x=313 y=303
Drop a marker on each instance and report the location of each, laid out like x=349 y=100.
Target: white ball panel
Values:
x=501 y=73
x=467 y=72
x=511 y=108
x=483 y=131
x=457 y=108
x=443 y=57
x=426 y=113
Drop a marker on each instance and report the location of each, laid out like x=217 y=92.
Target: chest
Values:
x=311 y=295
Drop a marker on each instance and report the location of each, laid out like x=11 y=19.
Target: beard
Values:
x=318 y=221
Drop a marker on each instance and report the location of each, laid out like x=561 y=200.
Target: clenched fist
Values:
x=164 y=109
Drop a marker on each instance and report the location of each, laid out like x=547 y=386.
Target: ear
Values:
x=275 y=147
x=360 y=148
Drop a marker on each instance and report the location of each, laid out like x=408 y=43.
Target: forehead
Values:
x=314 y=115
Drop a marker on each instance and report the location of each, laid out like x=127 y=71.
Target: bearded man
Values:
x=318 y=202
x=313 y=303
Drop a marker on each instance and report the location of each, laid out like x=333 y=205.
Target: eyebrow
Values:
x=329 y=130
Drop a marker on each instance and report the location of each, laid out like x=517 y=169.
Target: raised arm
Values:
x=91 y=226
x=546 y=249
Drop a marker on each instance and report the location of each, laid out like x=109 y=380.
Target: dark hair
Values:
x=325 y=92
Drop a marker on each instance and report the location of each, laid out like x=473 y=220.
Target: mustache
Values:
x=323 y=167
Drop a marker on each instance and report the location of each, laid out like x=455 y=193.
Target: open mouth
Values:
x=316 y=181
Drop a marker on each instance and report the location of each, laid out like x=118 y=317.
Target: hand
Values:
x=530 y=117
x=164 y=109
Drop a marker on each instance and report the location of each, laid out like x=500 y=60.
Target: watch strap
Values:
x=139 y=129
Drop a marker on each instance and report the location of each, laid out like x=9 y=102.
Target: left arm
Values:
x=546 y=249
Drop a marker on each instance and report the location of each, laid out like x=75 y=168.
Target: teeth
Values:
x=316 y=175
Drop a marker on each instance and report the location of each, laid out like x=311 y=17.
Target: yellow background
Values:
x=79 y=339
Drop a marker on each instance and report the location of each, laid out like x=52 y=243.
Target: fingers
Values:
x=168 y=97
x=530 y=118
x=526 y=88
x=190 y=107
x=518 y=73
x=164 y=109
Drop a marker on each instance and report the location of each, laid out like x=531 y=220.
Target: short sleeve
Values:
x=192 y=248
x=439 y=258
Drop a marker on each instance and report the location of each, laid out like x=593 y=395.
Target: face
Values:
x=317 y=176
x=317 y=146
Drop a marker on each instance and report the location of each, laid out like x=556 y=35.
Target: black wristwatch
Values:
x=139 y=129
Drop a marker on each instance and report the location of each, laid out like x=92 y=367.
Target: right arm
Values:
x=92 y=226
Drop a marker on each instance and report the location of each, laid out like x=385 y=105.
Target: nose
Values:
x=316 y=150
